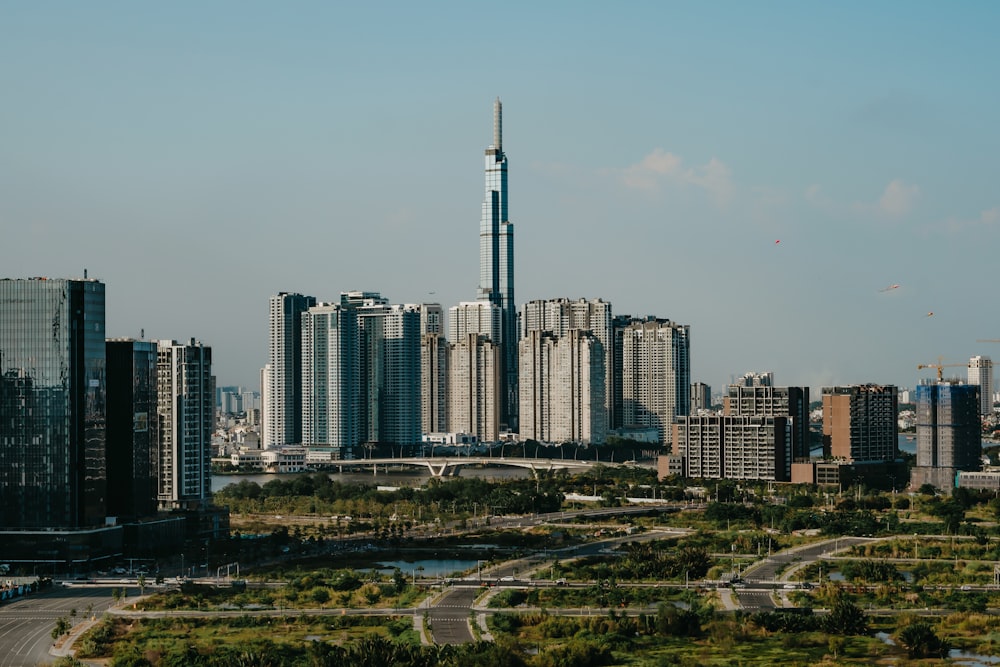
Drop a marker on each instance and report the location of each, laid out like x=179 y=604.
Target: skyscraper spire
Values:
x=496 y=268
x=498 y=124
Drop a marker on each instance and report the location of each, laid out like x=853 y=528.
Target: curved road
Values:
x=760 y=578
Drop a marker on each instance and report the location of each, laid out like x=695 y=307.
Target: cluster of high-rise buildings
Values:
x=360 y=371
x=104 y=443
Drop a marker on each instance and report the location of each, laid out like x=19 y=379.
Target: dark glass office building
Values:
x=52 y=404
x=132 y=428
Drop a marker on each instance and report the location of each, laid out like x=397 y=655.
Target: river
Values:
x=402 y=476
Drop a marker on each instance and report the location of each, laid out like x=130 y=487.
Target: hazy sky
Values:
x=199 y=157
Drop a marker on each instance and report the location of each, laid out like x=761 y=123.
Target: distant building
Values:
x=859 y=423
x=981 y=375
x=562 y=384
x=331 y=378
x=474 y=387
x=701 y=397
x=53 y=404
x=949 y=436
x=389 y=392
x=186 y=413
x=560 y=316
x=734 y=446
x=656 y=373
x=283 y=407
x=496 y=268
x=433 y=382
x=751 y=397
x=132 y=428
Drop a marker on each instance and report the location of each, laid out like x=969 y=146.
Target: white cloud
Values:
x=898 y=198
x=986 y=218
x=661 y=167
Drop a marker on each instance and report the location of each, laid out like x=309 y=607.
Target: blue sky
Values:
x=199 y=157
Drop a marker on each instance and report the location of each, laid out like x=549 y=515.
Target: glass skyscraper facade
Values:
x=133 y=431
x=52 y=404
x=496 y=265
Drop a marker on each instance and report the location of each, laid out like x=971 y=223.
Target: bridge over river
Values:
x=443 y=466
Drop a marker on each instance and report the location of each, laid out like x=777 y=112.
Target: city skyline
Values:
x=759 y=175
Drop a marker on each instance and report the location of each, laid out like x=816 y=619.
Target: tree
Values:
x=142 y=583
x=920 y=641
x=846 y=618
x=61 y=628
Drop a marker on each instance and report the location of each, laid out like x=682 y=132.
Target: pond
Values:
x=964 y=658
x=432 y=567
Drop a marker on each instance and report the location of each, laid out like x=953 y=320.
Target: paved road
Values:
x=450 y=615
x=26 y=624
x=756 y=597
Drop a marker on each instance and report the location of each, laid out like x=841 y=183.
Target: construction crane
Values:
x=939 y=366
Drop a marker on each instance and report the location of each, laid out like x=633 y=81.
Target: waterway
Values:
x=395 y=476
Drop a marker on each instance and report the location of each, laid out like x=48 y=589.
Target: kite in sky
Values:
x=777 y=242
x=930 y=314
x=889 y=288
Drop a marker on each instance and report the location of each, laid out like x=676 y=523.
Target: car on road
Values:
x=790 y=587
x=966 y=587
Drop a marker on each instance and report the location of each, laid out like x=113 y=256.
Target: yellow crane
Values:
x=939 y=366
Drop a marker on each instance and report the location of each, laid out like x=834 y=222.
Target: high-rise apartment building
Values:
x=389 y=361
x=656 y=374
x=560 y=316
x=860 y=423
x=562 y=387
x=701 y=397
x=186 y=413
x=433 y=369
x=474 y=317
x=331 y=378
x=496 y=266
x=755 y=395
x=981 y=374
x=949 y=434
x=473 y=387
x=133 y=427
x=283 y=407
x=53 y=410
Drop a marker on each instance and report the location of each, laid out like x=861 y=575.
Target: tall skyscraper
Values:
x=186 y=412
x=562 y=387
x=433 y=383
x=52 y=404
x=860 y=423
x=496 y=266
x=981 y=374
x=473 y=384
x=331 y=378
x=133 y=433
x=656 y=374
x=474 y=317
x=433 y=369
x=389 y=362
x=560 y=316
x=283 y=410
x=949 y=434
